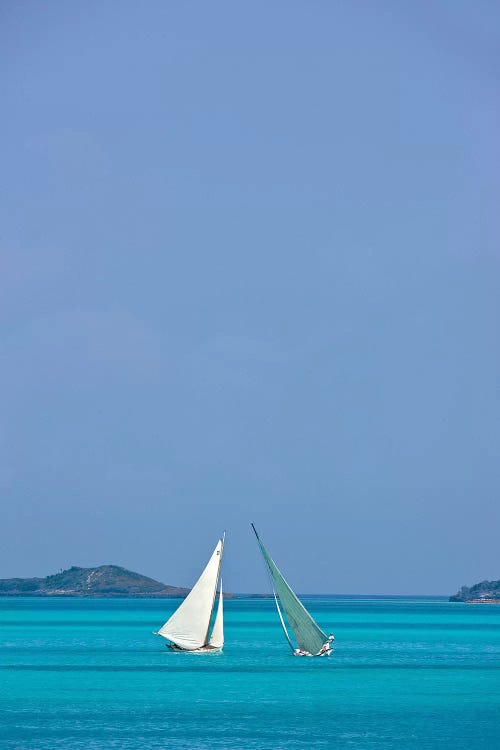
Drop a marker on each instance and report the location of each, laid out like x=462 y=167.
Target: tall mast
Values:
x=216 y=582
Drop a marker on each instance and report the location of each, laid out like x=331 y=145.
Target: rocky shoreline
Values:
x=485 y=592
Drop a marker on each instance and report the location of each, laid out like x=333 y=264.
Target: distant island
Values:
x=105 y=580
x=487 y=592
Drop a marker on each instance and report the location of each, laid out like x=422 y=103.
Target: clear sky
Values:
x=250 y=272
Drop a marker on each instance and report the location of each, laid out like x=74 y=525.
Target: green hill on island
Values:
x=105 y=580
x=486 y=591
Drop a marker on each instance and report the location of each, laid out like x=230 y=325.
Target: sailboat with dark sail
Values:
x=310 y=639
x=188 y=629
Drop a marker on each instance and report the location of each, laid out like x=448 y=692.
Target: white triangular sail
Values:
x=188 y=627
x=217 y=637
x=307 y=632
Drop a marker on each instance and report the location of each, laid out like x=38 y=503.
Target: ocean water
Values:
x=406 y=673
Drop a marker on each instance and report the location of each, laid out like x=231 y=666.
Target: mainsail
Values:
x=217 y=637
x=307 y=632
x=189 y=625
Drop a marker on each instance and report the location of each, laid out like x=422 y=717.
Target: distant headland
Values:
x=105 y=580
x=486 y=592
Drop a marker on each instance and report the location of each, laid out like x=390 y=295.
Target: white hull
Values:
x=202 y=650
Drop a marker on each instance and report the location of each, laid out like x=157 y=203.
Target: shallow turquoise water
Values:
x=409 y=673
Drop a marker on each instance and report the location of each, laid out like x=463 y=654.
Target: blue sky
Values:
x=250 y=272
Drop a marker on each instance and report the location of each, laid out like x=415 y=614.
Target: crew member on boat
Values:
x=326 y=648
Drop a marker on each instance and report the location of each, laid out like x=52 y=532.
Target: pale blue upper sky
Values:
x=250 y=271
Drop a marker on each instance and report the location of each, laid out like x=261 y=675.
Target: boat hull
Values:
x=202 y=650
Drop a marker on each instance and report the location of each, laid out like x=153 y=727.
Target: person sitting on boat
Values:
x=301 y=652
x=326 y=647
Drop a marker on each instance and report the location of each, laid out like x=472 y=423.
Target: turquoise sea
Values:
x=406 y=673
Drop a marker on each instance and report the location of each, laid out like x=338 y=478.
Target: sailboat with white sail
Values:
x=310 y=639
x=188 y=629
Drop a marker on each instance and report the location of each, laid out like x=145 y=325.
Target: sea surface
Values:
x=406 y=673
